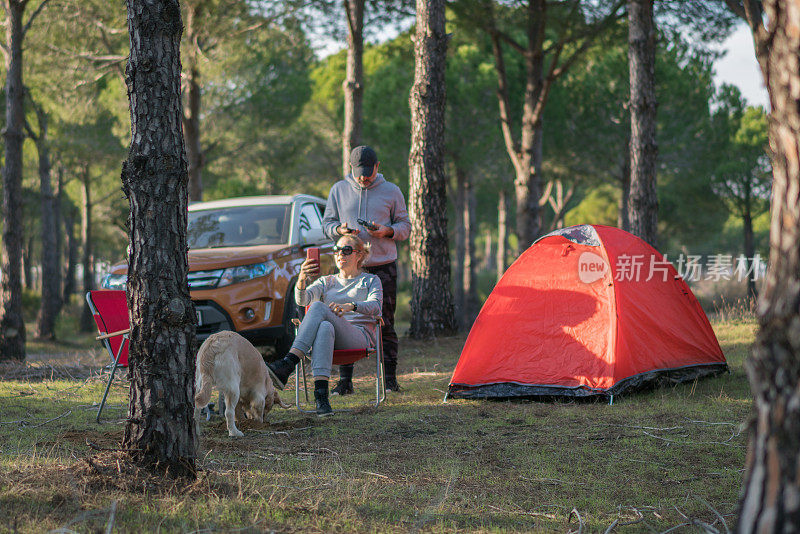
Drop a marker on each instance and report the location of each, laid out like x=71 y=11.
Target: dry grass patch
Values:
x=654 y=460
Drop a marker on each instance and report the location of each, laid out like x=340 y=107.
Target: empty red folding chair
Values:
x=110 y=310
x=344 y=357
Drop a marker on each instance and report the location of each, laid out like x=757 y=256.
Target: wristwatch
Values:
x=355 y=306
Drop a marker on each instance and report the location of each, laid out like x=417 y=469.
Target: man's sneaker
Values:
x=343 y=387
x=392 y=385
x=323 y=405
x=281 y=370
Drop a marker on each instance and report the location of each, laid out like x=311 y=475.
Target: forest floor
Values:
x=654 y=460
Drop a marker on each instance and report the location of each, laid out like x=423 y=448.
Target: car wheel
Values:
x=284 y=343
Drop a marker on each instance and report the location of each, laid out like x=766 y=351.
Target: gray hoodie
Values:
x=381 y=202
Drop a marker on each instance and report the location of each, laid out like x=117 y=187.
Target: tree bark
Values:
x=72 y=254
x=488 y=259
x=502 y=233
x=460 y=237
x=749 y=251
x=191 y=117
x=191 y=130
x=769 y=497
x=643 y=202
x=526 y=154
x=27 y=262
x=625 y=188
x=87 y=322
x=12 y=326
x=431 y=303
x=469 y=310
x=51 y=270
x=160 y=432
x=354 y=80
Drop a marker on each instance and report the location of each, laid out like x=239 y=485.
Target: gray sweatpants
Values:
x=322 y=331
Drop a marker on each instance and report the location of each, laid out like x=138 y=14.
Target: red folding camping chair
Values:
x=344 y=357
x=110 y=311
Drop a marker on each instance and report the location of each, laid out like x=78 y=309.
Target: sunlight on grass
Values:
x=412 y=464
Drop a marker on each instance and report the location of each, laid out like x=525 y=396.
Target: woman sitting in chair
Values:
x=342 y=315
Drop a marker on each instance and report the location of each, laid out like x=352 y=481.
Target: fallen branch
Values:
x=716 y=513
x=111 y=518
x=580 y=520
x=376 y=474
x=53 y=419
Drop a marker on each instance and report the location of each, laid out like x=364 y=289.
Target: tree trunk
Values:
x=643 y=208
x=469 y=289
x=27 y=262
x=354 y=80
x=59 y=241
x=625 y=189
x=749 y=252
x=191 y=117
x=51 y=272
x=526 y=154
x=160 y=432
x=458 y=266
x=488 y=258
x=191 y=131
x=72 y=255
x=12 y=326
x=431 y=302
x=87 y=322
x=502 y=233
x=769 y=497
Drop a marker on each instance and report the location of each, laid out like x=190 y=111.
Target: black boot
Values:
x=390 y=376
x=321 y=397
x=345 y=384
x=281 y=370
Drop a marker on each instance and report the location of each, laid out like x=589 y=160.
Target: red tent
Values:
x=587 y=310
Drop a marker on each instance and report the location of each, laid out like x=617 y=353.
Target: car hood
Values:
x=206 y=259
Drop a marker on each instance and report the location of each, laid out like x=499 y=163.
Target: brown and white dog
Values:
x=230 y=362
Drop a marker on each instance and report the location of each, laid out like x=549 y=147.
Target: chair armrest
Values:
x=113 y=334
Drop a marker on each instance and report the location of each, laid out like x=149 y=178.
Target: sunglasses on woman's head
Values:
x=345 y=250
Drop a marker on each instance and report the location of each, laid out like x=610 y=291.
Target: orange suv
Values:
x=244 y=258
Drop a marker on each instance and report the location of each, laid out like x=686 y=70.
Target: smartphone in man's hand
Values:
x=368 y=225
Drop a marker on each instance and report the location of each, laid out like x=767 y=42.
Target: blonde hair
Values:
x=359 y=246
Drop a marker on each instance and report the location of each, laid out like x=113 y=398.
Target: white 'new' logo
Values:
x=591 y=267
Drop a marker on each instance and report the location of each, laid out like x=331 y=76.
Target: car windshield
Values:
x=239 y=226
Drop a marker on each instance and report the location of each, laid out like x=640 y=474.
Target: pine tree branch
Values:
x=33 y=17
x=512 y=146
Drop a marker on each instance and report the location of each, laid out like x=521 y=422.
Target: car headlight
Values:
x=114 y=281
x=243 y=273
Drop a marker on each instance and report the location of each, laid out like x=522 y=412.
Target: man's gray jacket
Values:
x=381 y=202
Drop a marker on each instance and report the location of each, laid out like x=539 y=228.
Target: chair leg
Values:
x=301 y=370
x=111 y=378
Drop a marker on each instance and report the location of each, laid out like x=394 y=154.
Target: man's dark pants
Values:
x=387 y=273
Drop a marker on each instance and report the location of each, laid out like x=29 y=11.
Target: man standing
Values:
x=365 y=195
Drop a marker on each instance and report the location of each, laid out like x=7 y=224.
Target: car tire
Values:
x=284 y=343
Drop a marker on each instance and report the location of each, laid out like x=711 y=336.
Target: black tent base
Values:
x=650 y=379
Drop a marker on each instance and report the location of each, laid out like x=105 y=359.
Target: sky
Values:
x=740 y=68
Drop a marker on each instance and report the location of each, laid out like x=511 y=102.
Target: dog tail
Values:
x=204 y=377
x=280 y=403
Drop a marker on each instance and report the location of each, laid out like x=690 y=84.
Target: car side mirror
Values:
x=314 y=236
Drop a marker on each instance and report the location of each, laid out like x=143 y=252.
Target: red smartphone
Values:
x=312 y=253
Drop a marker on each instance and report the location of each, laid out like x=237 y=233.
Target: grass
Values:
x=653 y=459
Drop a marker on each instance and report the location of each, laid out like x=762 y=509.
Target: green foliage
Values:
x=253 y=95
x=599 y=206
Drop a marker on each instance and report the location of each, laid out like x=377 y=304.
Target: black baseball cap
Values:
x=363 y=160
